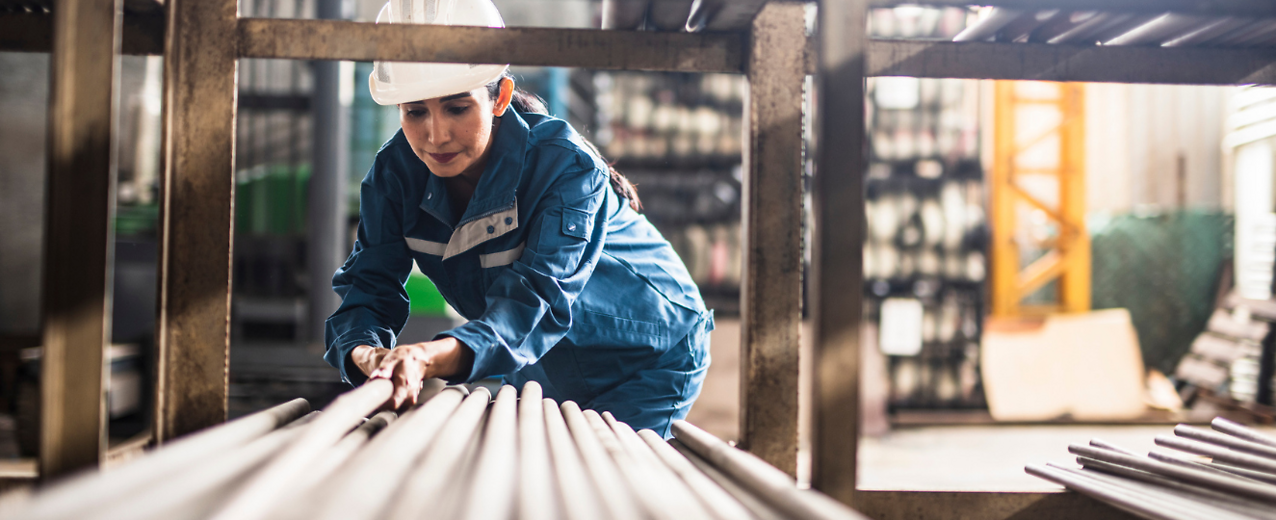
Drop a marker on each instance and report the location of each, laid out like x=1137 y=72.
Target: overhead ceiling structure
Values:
x=680 y=15
x=1098 y=27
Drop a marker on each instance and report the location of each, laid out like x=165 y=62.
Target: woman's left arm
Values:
x=529 y=305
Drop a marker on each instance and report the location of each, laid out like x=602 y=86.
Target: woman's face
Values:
x=452 y=134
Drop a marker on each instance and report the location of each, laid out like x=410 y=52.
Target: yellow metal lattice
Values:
x=1040 y=250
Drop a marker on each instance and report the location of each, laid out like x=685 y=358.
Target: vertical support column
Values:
x=78 y=249
x=196 y=218
x=770 y=296
x=838 y=273
x=326 y=214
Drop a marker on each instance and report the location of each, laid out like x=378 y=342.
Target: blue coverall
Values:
x=561 y=281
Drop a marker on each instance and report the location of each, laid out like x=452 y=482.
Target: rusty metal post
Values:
x=771 y=288
x=837 y=281
x=197 y=189
x=78 y=233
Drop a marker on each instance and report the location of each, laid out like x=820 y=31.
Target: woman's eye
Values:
x=458 y=110
x=416 y=113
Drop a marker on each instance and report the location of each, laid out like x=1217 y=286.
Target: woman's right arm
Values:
x=374 y=304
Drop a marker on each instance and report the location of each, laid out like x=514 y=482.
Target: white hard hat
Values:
x=392 y=82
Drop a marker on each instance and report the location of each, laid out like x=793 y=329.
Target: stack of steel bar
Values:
x=1229 y=473
x=460 y=454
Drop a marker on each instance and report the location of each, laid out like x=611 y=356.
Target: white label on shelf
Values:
x=901 y=327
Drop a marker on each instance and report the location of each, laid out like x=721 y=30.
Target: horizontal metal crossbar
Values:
x=583 y=48
x=1246 y=8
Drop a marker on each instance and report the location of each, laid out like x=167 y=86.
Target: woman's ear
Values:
x=503 y=100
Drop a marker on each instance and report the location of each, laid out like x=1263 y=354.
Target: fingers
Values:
x=406 y=376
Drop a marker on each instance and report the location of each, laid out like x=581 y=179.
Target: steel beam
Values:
x=79 y=242
x=1242 y=8
x=197 y=188
x=771 y=288
x=837 y=279
x=583 y=48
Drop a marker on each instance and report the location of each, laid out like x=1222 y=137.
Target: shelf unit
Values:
x=202 y=40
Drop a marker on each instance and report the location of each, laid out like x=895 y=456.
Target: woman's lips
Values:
x=442 y=158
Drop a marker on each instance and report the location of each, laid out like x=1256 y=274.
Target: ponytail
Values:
x=528 y=103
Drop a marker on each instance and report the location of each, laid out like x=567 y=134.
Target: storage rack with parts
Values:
x=202 y=40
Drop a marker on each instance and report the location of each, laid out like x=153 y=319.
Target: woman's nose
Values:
x=437 y=130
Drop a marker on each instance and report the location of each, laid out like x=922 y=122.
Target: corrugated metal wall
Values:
x=1155 y=145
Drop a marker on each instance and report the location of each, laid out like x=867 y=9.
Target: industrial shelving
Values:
x=202 y=40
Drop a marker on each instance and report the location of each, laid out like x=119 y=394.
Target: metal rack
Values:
x=201 y=41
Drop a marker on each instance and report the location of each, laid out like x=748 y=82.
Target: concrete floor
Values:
x=986 y=457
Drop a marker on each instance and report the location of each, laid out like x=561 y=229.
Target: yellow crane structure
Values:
x=1037 y=200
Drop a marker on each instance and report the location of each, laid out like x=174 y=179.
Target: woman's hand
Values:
x=368 y=358
x=407 y=365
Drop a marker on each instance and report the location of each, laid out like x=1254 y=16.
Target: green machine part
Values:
x=424 y=296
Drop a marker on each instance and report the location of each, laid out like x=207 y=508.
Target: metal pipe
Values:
x=1159 y=29
x=1085 y=28
x=702 y=11
x=623 y=15
x=1239 y=430
x=669 y=15
x=334 y=458
x=760 y=510
x=388 y=457
x=1227 y=441
x=1206 y=32
x=665 y=483
x=577 y=494
x=1173 y=501
x=494 y=486
x=1203 y=466
x=326 y=209
x=1100 y=443
x=1262 y=492
x=1107 y=494
x=1235 y=503
x=254 y=501
x=770 y=484
x=79 y=495
x=425 y=484
x=536 y=480
x=196 y=492
x=717 y=500
x=1060 y=25
x=988 y=27
x=1223 y=455
x=612 y=491
x=634 y=472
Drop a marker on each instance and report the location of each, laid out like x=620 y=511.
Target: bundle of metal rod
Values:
x=1237 y=481
x=461 y=454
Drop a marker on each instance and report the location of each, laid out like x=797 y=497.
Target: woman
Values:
x=526 y=232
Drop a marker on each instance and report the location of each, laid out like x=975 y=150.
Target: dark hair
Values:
x=526 y=102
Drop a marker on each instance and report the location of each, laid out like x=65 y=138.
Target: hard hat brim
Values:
x=444 y=84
